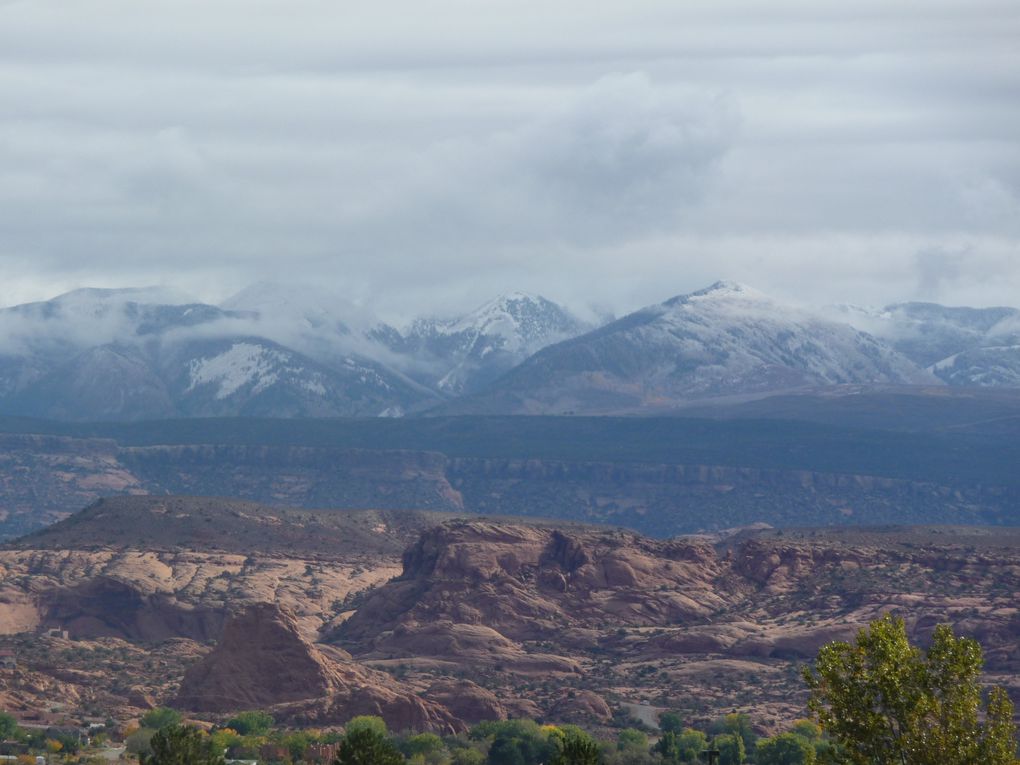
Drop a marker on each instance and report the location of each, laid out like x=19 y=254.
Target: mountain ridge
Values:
x=273 y=350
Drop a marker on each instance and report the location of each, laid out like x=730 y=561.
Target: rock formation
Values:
x=581 y=708
x=530 y=583
x=466 y=700
x=263 y=662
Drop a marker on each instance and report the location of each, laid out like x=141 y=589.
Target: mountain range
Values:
x=274 y=351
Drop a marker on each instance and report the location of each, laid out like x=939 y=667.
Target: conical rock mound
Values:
x=263 y=662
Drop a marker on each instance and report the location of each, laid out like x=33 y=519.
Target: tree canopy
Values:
x=885 y=701
x=160 y=717
x=251 y=723
x=181 y=745
x=785 y=749
x=366 y=744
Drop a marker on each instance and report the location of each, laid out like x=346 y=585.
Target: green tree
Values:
x=225 y=738
x=138 y=742
x=297 y=743
x=738 y=724
x=883 y=700
x=467 y=756
x=160 y=717
x=785 y=749
x=631 y=749
x=807 y=730
x=366 y=745
x=367 y=722
x=671 y=722
x=631 y=738
x=516 y=742
x=253 y=723
x=731 y=748
x=181 y=745
x=8 y=726
x=576 y=747
x=425 y=747
x=683 y=747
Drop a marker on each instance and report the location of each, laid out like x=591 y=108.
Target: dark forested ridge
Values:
x=788 y=462
x=965 y=453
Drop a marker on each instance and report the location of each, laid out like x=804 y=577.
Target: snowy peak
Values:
x=730 y=296
x=725 y=340
x=520 y=319
x=463 y=353
x=297 y=350
x=725 y=289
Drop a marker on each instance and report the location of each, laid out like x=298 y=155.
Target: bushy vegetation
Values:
x=367 y=741
x=876 y=700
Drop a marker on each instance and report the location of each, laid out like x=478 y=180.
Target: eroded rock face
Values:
x=262 y=662
x=466 y=700
x=108 y=607
x=517 y=597
x=581 y=707
x=150 y=596
x=532 y=583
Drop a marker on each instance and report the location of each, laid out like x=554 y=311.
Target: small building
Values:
x=8 y=659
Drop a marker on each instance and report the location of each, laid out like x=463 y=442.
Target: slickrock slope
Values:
x=154 y=596
x=477 y=591
x=466 y=700
x=486 y=618
x=262 y=661
x=153 y=568
x=764 y=596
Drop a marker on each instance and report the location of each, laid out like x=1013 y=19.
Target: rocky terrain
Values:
x=262 y=662
x=570 y=623
x=153 y=568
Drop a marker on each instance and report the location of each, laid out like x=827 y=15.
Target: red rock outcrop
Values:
x=466 y=700
x=581 y=707
x=530 y=583
x=262 y=662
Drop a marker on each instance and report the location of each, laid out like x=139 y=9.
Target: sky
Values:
x=421 y=157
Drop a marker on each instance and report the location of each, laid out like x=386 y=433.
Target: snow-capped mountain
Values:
x=251 y=376
x=291 y=351
x=961 y=346
x=102 y=354
x=462 y=354
x=725 y=340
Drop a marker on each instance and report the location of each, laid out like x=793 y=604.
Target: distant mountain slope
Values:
x=725 y=340
x=275 y=350
x=103 y=355
x=961 y=346
x=462 y=354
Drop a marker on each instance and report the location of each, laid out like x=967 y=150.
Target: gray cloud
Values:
x=414 y=157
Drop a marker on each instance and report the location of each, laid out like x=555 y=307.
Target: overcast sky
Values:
x=427 y=155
